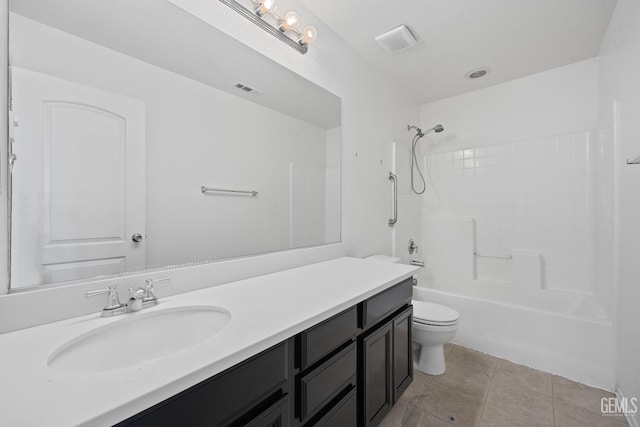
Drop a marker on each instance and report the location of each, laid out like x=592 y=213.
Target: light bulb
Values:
x=270 y=5
x=265 y=6
x=309 y=34
x=290 y=21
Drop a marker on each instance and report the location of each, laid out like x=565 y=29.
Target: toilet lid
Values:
x=433 y=314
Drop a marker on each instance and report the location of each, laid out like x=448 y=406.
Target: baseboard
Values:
x=632 y=420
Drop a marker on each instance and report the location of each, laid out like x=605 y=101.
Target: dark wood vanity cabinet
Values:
x=346 y=371
x=385 y=349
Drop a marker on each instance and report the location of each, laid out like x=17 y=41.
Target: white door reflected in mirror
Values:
x=78 y=189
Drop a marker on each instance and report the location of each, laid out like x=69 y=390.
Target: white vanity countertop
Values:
x=265 y=310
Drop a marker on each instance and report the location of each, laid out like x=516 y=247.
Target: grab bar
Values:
x=219 y=190
x=394 y=178
x=478 y=254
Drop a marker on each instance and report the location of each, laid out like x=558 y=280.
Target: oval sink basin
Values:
x=138 y=338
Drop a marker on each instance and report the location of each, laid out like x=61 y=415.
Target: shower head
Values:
x=420 y=133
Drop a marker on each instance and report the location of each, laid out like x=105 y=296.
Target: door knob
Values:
x=137 y=237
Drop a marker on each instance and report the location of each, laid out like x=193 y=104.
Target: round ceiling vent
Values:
x=476 y=73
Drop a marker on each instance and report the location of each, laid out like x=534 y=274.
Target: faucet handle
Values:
x=149 y=294
x=113 y=300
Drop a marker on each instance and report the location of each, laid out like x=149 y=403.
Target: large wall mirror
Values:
x=121 y=111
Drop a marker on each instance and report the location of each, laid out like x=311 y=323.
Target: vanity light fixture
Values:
x=284 y=28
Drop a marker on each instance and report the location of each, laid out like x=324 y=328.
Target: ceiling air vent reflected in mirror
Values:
x=247 y=89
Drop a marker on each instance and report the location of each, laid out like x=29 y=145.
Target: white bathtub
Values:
x=570 y=341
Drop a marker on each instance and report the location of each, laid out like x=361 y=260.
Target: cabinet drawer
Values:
x=223 y=398
x=320 y=340
x=379 y=306
x=322 y=384
x=344 y=414
x=277 y=415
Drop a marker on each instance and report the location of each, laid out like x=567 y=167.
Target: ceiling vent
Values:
x=248 y=89
x=396 y=40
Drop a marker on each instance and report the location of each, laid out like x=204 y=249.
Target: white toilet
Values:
x=433 y=325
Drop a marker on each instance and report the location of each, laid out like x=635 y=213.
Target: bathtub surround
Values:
x=526 y=209
x=516 y=223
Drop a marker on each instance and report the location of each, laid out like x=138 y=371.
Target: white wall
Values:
x=514 y=174
x=555 y=102
x=198 y=136
x=620 y=108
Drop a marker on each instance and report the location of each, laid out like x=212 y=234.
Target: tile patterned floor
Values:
x=484 y=391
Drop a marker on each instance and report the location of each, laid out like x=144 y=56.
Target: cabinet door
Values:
x=377 y=386
x=402 y=352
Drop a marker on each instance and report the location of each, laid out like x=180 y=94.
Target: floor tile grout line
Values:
x=484 y=403
x=434 y=379
x=553 y=401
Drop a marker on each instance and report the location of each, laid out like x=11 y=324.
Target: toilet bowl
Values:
x=433 y=325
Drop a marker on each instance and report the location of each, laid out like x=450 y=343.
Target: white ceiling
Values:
x=514 y=38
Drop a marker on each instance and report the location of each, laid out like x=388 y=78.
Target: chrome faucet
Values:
x=138 y=298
